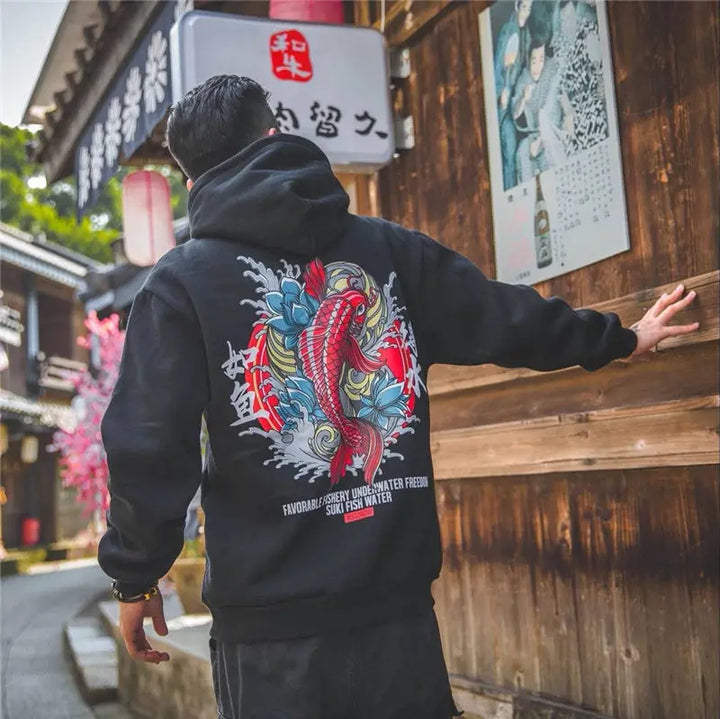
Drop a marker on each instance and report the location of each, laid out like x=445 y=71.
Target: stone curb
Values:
x=93 y=656
x=178 y=689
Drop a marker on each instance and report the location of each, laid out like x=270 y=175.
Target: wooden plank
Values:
x=642 y=646
x=634 y=554
x=361 y=12
x=685 y=372
x=446 y=379
x=704 y=309
x=700 y=527
x=672 y=434
x=474 y=704
x=404 y=20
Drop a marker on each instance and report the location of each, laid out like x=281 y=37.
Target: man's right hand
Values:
x=654 y=327
x=133 y=634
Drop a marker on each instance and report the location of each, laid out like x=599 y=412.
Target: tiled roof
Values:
x=19 y=249
x=47 y=414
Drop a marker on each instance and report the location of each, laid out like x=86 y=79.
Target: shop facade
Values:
x=579 y=511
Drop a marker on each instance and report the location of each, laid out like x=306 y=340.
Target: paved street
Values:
x=36 y=676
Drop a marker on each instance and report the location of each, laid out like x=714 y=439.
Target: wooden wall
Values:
x=600 y=590
x=666 y=60
x=579 y=511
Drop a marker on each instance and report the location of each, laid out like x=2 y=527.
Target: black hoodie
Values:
x=304 y=335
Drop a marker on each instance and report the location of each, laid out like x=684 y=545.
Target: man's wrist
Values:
x=130 y=593
x=635 y=329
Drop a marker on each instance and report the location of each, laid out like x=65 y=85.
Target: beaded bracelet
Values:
x=142 y=597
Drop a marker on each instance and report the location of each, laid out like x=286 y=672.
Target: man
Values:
x=303 y=334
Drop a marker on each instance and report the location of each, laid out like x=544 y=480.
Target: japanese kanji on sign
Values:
x=328 y=83
x=290 y=55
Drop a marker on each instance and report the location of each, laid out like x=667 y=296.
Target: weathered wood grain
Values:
x=361 y=13
x=671 y=434
x=685 y=372
x=600 y=588
x=574 y=586
x=442 y=185
x=404 y=19
x=705 y=309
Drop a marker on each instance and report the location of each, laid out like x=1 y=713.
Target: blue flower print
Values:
x=298 y=395
x=386 y=401
x=292 y=310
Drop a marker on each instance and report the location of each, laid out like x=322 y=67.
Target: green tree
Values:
x=27 y=204
x=13 y=142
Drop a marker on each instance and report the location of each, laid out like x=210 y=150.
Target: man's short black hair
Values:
x=215 y=121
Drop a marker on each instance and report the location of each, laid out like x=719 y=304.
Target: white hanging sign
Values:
x=328 y=83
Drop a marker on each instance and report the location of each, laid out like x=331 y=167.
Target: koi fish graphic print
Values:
x=330 y=374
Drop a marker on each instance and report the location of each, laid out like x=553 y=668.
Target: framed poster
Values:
x=555 y=165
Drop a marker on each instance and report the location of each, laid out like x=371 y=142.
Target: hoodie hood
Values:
x=278 y=193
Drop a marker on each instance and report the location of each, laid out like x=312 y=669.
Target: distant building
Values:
x=41 y=317
x=112 y=288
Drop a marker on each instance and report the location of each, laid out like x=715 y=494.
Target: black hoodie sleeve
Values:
x=462 y=317
x=151 y=433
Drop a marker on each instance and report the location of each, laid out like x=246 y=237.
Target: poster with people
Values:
x=555 y=166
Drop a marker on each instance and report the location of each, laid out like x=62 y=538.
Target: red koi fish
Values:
x=325 y=346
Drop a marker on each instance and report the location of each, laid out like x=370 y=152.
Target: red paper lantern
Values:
x=328 y=11
x=30 y=531
x=147 y=217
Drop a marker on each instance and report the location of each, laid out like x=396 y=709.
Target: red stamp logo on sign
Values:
x=290 y=56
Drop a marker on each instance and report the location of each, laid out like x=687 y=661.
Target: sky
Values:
x=27 y=30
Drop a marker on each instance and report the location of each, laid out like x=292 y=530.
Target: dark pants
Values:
x=390 y=671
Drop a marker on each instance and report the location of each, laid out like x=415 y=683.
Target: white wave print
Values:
x=307 y=441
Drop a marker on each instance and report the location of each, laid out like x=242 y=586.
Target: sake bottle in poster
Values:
x=543 y=246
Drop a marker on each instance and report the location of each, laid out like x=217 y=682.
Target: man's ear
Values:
x=272 y=131
x=189 y=184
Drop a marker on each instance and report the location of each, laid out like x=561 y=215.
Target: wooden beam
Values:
x=404 y=20
x=671 y=434
x=61 y=99
x=58 y=157
x=361 y=12
x=445 y=379
x=480 y=705
x=685 y=372
x=90 y=34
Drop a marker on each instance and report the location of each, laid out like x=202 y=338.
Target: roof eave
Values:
x=79 y=88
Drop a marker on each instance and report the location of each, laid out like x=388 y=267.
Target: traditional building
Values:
x=579 y=511
x=40 y=320
x=112 y=288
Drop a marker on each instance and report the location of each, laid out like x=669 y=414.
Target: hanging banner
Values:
x=558 y=197
x=136 y=102
x=328 y=83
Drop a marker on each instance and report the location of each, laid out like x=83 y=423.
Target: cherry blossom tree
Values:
x=83 y=464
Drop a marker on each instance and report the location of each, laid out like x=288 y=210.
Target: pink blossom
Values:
x=83 y=463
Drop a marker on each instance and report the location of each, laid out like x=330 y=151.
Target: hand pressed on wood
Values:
x=654 y=327
x=133 y=634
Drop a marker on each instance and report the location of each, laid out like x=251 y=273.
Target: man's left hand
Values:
x=654 y=327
